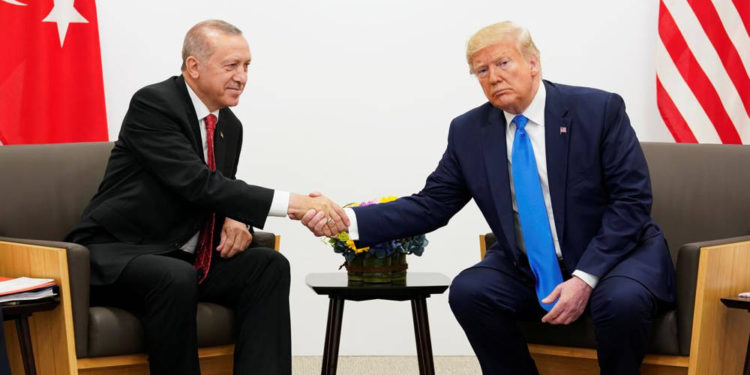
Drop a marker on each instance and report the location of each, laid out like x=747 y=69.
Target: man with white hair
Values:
x=559 y=175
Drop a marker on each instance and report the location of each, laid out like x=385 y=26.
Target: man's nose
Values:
x=495 y=75
x=240 y=75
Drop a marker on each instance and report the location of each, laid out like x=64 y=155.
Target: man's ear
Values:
x=191 y=67
x=534 y=65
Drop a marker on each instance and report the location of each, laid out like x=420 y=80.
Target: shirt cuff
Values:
x=587 y=278
x=353 y=228
x=280 y=204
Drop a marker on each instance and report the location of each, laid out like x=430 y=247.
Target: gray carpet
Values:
x=387 y=365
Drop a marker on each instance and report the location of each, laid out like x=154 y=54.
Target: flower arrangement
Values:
x=380 y=263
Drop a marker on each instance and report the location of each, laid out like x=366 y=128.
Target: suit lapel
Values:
x=557 y=132
x=496 y=161
x=192 y=117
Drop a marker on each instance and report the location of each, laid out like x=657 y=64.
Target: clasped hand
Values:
x=329 y=218
x=572 y=297
x=235 y=237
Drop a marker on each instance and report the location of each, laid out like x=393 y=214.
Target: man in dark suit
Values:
x=559 y=175
x=169 y=199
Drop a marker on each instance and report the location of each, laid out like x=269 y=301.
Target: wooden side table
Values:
x=741 y=303
x=419 y=286
x=21 y=313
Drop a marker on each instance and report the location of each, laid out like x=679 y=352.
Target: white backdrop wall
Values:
x=354 y=98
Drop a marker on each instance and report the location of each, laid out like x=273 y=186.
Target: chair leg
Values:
x=24 y=339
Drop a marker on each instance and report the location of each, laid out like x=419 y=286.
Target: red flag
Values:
x=51 y=88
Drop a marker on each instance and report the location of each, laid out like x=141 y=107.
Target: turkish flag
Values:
x=51 y=88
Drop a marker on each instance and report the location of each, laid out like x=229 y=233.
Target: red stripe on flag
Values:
x=695 y=77
x=672 y=117
x=743 y=8
x=717 y=34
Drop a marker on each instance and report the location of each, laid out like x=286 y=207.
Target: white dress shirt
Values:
x=280 y=201
x=535 y=130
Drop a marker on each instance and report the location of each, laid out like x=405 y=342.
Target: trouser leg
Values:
x=255 y=283
x=622 y=310
x=487 y=302
x=162 y=291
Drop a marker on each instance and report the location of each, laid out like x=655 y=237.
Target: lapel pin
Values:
x=563 y=129
x=221 y=134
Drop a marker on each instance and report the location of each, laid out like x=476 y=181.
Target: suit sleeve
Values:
x=444 y=194
x=627 y=183
x=157 y=137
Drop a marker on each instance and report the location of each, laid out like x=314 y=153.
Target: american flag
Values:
x=702 y=64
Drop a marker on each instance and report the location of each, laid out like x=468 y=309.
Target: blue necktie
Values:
x=533 y=215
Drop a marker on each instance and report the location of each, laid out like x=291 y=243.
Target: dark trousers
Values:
x=4 y=365
x=163 y=291
x=488 y=302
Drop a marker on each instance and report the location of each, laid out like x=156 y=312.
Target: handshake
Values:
x=318 y=213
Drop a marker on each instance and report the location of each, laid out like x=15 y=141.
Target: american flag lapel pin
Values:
x=563 y=130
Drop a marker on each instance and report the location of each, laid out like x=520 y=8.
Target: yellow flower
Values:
x=362 y=250
x=387 y=199
x=350 y=243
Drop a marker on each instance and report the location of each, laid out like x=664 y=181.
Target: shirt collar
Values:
x=200 y=109
x=535 y=110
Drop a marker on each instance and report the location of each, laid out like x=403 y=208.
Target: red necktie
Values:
x=206 y=238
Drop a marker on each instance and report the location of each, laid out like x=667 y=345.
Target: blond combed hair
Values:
x=496 y=33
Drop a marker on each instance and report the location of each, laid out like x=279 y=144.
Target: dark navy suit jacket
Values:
x=598 y=181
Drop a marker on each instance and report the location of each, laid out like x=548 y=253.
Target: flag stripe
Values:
x=672 y=117
x=743 y=8
x=708 y=58
x=738 y=33
x=683 y=97
x=695 y=77
x=712 y=25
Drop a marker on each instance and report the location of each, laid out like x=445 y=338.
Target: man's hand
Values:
x=235 y=238
x=332 y=221
x=573 y=296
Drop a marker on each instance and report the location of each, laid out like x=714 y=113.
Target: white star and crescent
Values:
x=63 y=13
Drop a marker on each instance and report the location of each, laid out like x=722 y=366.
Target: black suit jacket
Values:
x=157 y=189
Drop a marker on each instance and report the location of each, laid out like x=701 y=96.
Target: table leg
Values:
x=333 y=336
x=747 y=358
x=24 y=339
x=422 y=335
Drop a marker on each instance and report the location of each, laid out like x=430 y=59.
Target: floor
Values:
x=387 y=365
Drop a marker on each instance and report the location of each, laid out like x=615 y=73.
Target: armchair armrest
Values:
x=53 y=327
x=79 y=271
x=265 y=239
x=686 y=273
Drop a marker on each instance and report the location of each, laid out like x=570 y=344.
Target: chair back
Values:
x=45 y=188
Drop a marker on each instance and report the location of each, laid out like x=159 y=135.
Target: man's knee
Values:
x=178 y=281
x=280 y=265
x=272 y=263
x=626 y=303
x=466 y=293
